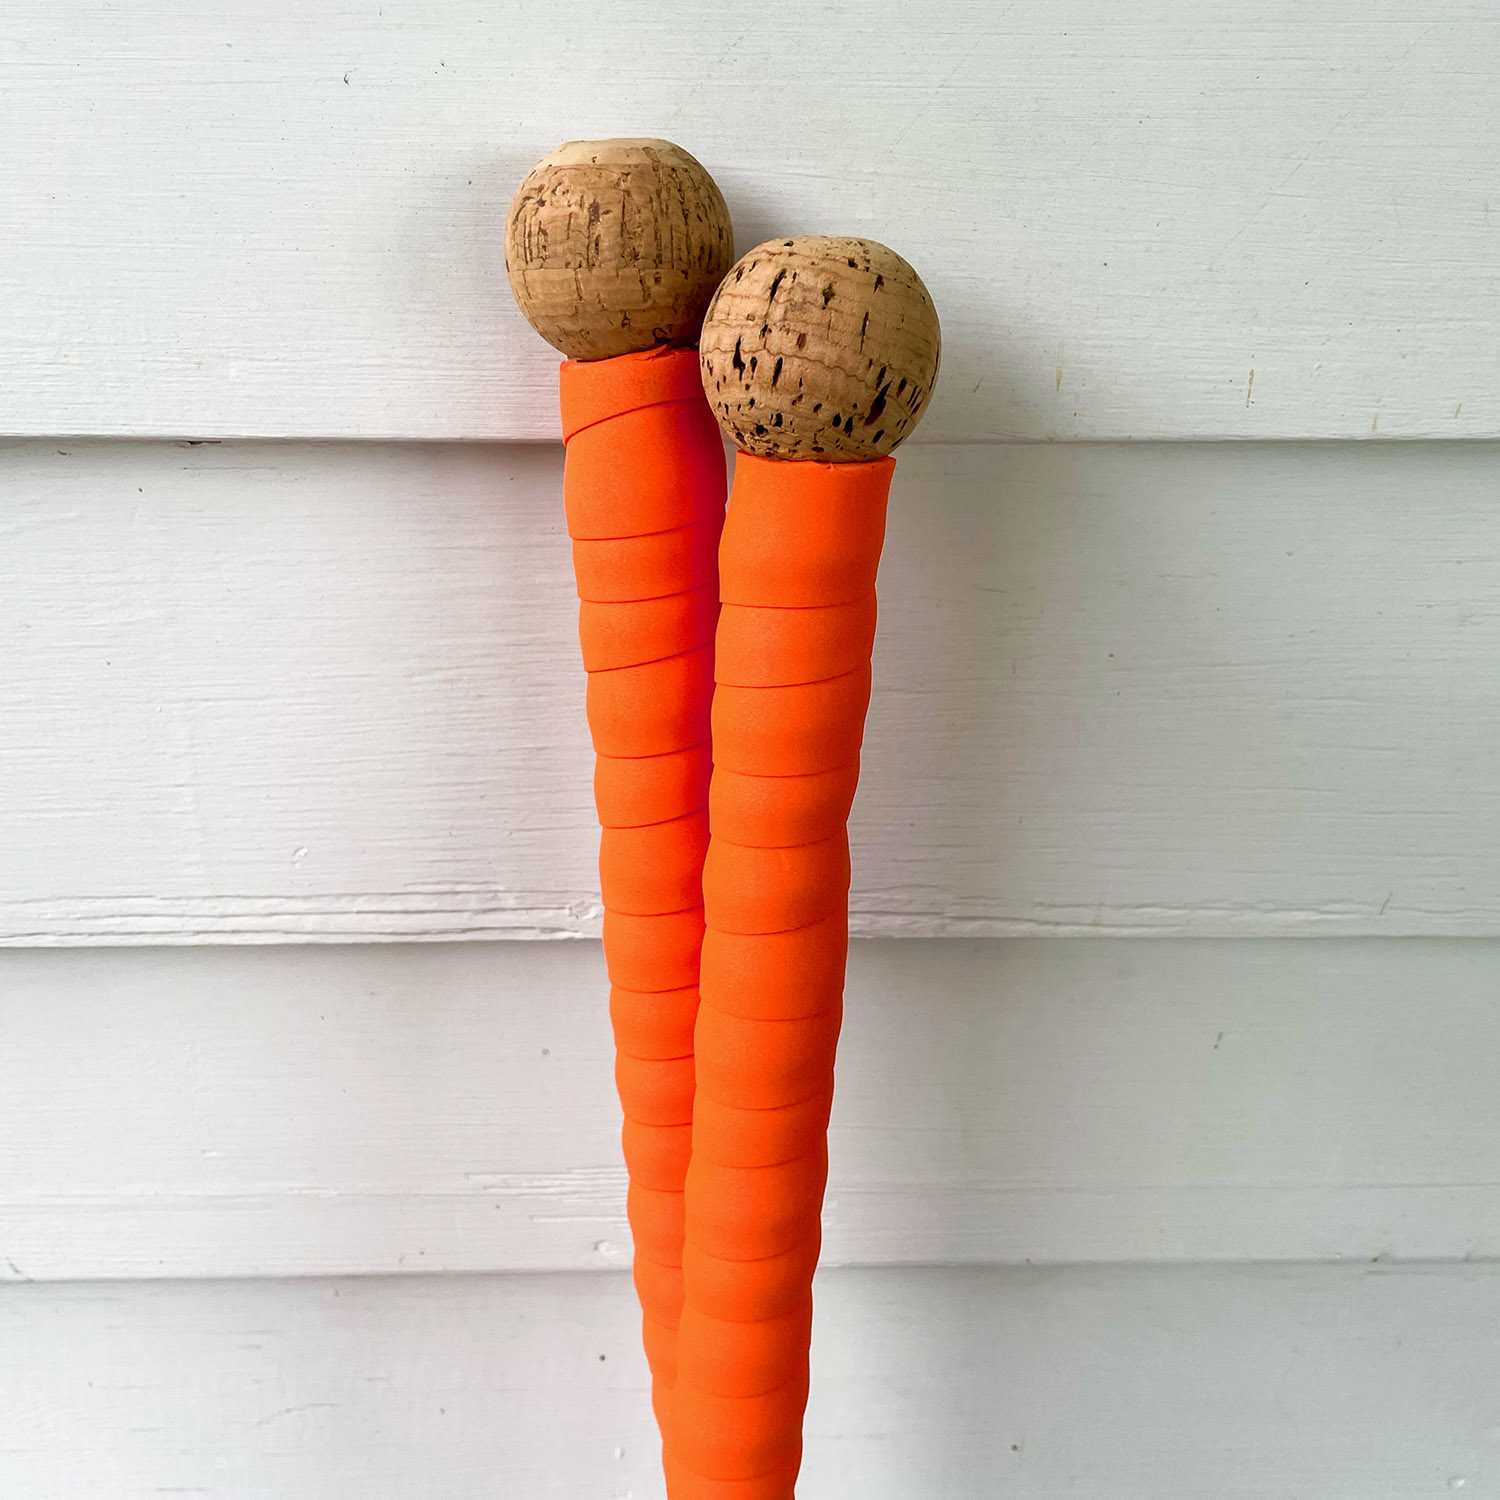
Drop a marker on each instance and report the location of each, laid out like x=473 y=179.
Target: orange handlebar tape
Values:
x=682 y=1484
x=805 y=534
x=769 y=647
x=659 y=1160
x=797 y=565
x=765 y=1066
x=735 y=1136
x=638 y=793
x=780 y=811
x=625 y=570
x=654 y=953
x=737 y=1437
x=777 y=976
x=746 y=1358
x=643 y=487
x=798 y=730
x=632 y=634
x=744 y=1291
x=656 y=868
x=755 y=891
x=651 y=1023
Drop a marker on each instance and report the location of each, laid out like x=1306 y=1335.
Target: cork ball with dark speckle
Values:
x=615 y=247
x=821 y=349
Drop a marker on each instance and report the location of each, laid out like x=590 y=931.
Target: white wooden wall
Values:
x=1165 y=1163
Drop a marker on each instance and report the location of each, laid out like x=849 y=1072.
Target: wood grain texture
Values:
x=311 y=1110
x=820 y=348
x=1141 y=1384
x=303 y=692
x=286 y=219
x=613 y=247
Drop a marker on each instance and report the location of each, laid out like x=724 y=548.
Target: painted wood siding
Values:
x=1164 y=1164
x=367 y=1109
x=1138 y=221
x=1349 y=1383
x=268 y=692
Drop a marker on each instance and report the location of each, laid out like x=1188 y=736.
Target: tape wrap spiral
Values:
x=644 y=488
x=797 y=566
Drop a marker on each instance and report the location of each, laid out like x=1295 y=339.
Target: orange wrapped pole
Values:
x=643 y=485
x=613 y=249
x=818 y=356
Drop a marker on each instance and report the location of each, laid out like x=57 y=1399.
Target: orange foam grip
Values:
x=643 y=488
x=797 y=565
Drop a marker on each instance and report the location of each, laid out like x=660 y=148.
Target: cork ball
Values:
x=820 y=349
x=614 y=247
